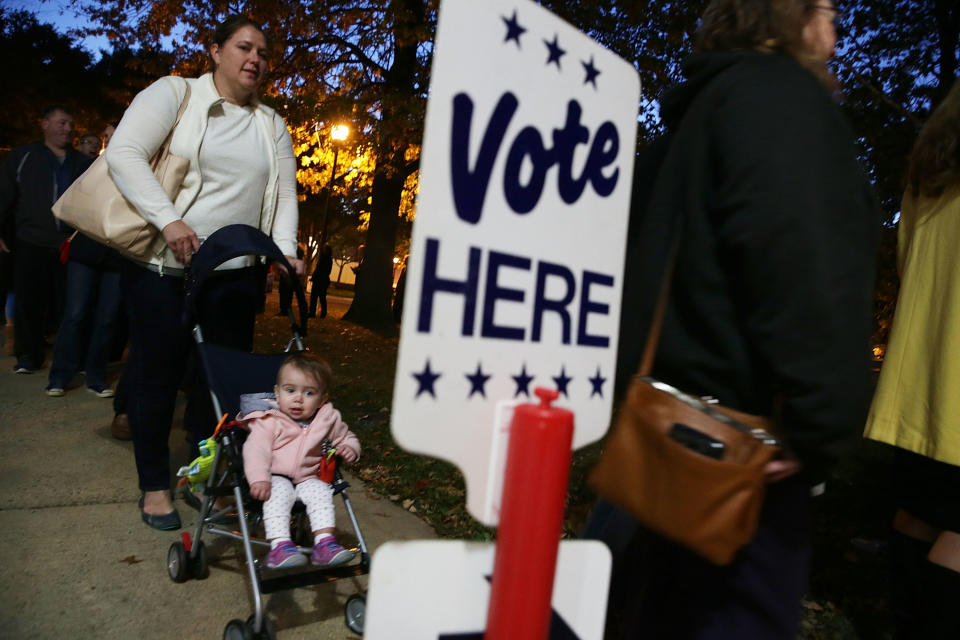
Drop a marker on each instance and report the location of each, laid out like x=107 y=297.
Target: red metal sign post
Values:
x=531 y=520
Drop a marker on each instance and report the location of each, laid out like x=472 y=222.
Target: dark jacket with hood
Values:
x=31 y=180
x=771 y=304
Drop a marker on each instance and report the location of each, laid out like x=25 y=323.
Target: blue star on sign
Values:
x=425 y=380
x=555 y=51
x=514 y=30
x=592 y=72
x=562 y=381
x=477 y=381
x=523 y=382
x=596 y=382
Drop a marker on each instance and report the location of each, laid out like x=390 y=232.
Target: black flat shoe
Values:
x=163 y=522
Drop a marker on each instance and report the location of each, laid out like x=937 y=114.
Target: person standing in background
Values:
x=89 y=145
x=917 y=406
x=32 y=178
x=321 y=281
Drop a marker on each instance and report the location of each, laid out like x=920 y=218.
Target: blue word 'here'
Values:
x=501 y=267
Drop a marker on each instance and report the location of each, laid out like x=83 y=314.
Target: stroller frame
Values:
x=188 y=557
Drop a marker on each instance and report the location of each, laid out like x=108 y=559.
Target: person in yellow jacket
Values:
x=917 y=404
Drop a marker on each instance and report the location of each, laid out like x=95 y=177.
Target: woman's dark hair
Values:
x=934 y=163
x=760 y=25
x=230 y=26
x=733 y=25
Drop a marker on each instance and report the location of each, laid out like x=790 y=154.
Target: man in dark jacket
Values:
x=32 y=178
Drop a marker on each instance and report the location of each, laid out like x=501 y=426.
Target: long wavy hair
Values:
x=761 y=25
x=934 y=162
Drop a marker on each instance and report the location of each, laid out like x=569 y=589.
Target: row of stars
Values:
x=554 y=51
x=427 y=378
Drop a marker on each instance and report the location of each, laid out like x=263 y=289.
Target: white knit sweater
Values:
x=242 y=166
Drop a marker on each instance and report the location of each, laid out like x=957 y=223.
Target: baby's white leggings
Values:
x=315 y=494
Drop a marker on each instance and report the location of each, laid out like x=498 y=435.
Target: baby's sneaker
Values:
x=285 y=555
x=329 y=553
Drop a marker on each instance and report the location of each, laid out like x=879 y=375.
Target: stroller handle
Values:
x=231 y=242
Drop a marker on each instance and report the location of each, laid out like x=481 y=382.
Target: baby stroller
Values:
x=230 y=374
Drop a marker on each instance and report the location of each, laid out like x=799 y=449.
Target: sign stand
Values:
x=518 y=265
x=531 y=520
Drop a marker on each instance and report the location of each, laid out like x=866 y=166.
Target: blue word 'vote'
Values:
x=470 y=186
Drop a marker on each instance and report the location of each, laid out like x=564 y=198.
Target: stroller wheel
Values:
x=237 y=630
x=177 y=562
x=354 y=611
x=199 y=566
x=266 y=633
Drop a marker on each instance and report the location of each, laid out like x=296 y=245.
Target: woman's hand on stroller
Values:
x=182 y=240
x=260 y=490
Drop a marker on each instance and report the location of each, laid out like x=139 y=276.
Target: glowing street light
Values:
x=338 y=133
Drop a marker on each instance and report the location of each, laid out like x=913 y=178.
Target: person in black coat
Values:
x=770 y=308
x=31 y=179
x=321 y=281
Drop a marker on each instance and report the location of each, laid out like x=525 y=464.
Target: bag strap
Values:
x=653 y=336
x=164 y=150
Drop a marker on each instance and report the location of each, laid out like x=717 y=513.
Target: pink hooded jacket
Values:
x=277 y=445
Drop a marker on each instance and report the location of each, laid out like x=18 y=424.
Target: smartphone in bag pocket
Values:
x=697 y=441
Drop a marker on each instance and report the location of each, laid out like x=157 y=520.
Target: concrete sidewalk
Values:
x=77 y=562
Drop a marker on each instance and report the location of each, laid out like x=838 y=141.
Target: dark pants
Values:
x=161 y=344
x=121 y=395
x=319 y=292
x=662 y=591
x=93 y=294
x=39 y=284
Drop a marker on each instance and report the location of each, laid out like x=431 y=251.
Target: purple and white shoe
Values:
x=285 y=555
x=329 y=553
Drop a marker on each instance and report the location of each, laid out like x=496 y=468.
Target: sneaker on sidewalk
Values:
x=329 y=553
x=284 y=556
x=53 y=391
x=101 y=392
x=23 y=367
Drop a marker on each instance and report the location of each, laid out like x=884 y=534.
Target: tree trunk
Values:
x=373 y=291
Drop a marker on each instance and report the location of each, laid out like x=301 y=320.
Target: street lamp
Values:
x=338 y=133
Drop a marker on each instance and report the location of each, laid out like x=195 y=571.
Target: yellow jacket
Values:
x=917 y=403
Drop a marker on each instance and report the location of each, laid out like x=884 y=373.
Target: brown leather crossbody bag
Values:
x=685 y=468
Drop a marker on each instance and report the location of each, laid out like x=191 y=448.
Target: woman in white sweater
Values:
x=242 y=171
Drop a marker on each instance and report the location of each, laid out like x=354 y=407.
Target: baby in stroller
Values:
x=293 y=433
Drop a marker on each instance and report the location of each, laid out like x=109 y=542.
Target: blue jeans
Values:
x=93 y=294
